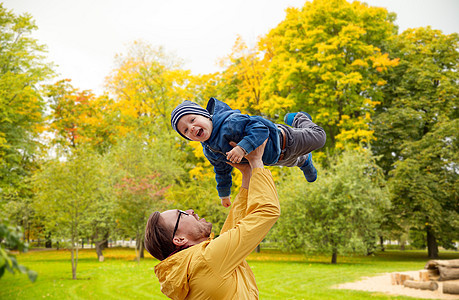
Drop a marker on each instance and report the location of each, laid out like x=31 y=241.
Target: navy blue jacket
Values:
x=249 y=132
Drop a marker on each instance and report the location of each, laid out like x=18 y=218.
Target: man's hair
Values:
x=158 y=238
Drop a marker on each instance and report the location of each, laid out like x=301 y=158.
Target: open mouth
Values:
x=200 y=132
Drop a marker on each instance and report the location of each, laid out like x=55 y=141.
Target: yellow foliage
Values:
x=381 y=82
x=383 y=62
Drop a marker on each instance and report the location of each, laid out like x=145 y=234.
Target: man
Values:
x=195 y=266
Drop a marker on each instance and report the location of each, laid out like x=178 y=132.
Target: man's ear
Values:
x=179 y=241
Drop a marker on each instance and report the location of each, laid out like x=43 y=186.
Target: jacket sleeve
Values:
x=245 y=229
x=222 y=174
x=224 y=179
x=253 y=131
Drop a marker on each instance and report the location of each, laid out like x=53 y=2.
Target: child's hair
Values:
x=185 y=108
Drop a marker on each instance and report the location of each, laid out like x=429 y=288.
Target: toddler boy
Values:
x=218 y=125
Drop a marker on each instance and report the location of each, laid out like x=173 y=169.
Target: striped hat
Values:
x=185 y=108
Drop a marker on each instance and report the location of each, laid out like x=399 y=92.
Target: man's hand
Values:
x=235 y=155
x=255 y=156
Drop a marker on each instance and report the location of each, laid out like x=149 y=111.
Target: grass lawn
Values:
x=278 y=275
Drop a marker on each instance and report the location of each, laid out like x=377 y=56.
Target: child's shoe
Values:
x=288 y=119
x=309 y=170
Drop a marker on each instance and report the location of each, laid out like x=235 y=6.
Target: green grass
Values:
x=278 y=275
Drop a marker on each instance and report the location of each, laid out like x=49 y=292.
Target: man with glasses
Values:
x=195 y=266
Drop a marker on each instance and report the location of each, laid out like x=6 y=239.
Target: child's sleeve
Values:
x=222 y=174
x=253 y=131
x=223 y=178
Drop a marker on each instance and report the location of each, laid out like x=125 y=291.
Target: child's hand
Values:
x=235 y=155
x=226 y=202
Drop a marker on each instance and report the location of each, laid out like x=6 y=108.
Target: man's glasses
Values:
x=180 y=212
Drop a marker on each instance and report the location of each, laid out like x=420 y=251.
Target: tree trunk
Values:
x=76 y=260
x=48 y=242
x=432 y=246
x=139 y=247
x=430 y=285
x=72 y=251
x=28 y=232
x=99 y=248
x=105 y=244
x=334 y=256
x=142 y=254
x=258 y=249
x=381 y=242
x=451 y=288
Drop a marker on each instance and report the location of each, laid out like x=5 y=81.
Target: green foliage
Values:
x=340 y=213
x=422 y=91
x=68 y=194
x=424 y=185
x=416 y=129
x=10 y=238
x=142 y=172
x=22 y=69
x=21 y=105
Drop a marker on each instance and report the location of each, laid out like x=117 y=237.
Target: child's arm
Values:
x=252 y=133
x=226 y=201
x=222 y=175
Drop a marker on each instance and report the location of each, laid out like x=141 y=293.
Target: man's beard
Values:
x=203 y=231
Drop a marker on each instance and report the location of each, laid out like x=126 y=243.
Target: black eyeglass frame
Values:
x=180 y=212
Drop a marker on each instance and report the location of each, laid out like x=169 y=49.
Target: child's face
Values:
x=195 y=127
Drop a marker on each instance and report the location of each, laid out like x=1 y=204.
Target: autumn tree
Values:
x=328 y=59
x=240 y=82
x=80 y=118
x=22 y=69
x=416 y=130
x=147 y=84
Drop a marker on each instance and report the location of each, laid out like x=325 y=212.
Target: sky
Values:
x=84 y=36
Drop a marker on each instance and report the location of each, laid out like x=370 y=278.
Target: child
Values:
x=218 y=125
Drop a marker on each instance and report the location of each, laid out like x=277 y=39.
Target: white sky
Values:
x=83 y=36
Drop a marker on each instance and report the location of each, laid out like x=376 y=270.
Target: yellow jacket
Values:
x=216 y=269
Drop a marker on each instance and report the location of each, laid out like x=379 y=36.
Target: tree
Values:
x=147 y=85
x=413 y=122
x=21 y=105
x=328 y=59
x=240 y=82
x=67 y=193
x=22 y=69
x=338 y=214
x=79 y=118
x=424 y=186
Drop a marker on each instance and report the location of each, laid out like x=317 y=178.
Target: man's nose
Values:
x=190 y=211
